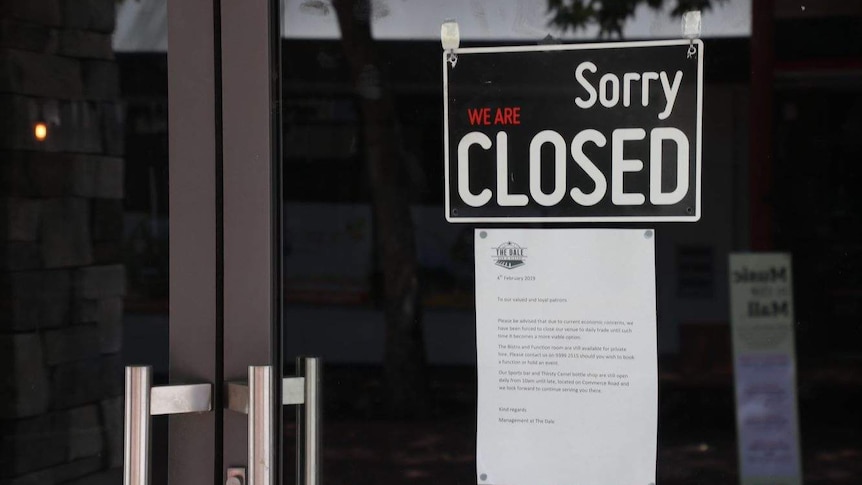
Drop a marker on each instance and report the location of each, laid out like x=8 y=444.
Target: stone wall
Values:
x=61 y=275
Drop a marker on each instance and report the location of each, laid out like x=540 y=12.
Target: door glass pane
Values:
x=141 y=49
x=380 y=286
x=83 y=154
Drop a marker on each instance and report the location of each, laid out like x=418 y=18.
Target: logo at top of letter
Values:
x=509 y=255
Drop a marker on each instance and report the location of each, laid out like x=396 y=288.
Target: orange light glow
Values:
x=40 y=131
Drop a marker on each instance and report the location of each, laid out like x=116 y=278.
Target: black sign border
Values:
x=564 y=47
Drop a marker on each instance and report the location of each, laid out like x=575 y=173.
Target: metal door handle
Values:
x=261 y=416
x=308 y=423
x=136 y=435
x=143 y=401
x=255 y=399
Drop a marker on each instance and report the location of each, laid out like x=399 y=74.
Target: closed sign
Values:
x=557 y=133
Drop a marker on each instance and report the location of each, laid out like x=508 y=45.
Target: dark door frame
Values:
x=194 y=314
x=250 y=49
x=225 y=267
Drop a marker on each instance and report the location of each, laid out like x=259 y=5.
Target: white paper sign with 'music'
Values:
x=761 y=315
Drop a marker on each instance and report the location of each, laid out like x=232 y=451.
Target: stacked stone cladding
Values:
x=62 y=279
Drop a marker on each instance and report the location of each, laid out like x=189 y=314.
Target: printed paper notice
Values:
x=761 y=317
x=567 y=364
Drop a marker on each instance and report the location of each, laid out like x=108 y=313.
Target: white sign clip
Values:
x=691 y=26
x=451 y=39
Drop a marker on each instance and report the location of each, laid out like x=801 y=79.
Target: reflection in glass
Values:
x=374 y=273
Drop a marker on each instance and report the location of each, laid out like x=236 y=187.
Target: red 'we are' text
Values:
x=510 y=115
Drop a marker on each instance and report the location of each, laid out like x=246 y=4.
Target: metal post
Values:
x=261 y=418
x=136 y=444
x=308 y=421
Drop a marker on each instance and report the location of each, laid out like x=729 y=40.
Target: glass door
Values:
x=376 y=283
x=380 y=287
x=306 y=219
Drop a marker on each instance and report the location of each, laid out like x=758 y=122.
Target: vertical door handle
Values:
x=142 y=401
x=255 y=398
x=261 y=418
x=136 y=424
x=308 y=423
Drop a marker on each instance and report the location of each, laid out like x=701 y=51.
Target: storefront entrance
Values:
x=227 y=259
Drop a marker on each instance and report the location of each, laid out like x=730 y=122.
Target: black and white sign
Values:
x=590 y=132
